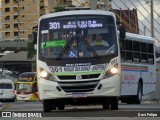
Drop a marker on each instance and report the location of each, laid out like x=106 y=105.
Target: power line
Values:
x=143 y=16
x=127 y=17
x=147 y=11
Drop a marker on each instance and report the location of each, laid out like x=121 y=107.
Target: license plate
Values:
x=79 y=95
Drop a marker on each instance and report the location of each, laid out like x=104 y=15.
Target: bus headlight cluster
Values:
x=111 y=72
x=114 y=70
x=46 y=75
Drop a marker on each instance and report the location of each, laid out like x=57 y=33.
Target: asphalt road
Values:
x=147 y=110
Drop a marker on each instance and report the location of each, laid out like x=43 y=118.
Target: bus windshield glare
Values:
x=77 y=37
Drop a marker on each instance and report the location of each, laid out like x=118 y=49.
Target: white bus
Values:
x=138 y=62
x=73 y=65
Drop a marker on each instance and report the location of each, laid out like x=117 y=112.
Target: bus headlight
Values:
x=43 y=74
x=114 y=70
x=46 y=75
x=111 y=72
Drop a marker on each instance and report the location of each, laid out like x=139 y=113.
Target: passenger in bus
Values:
x=89 y=38
x=99 y=43
x=73 y=49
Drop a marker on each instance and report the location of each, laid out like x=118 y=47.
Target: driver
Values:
x=99 y=41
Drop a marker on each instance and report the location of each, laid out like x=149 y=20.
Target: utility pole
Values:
x=46 y=4
x=152 y=19
x=144 y=30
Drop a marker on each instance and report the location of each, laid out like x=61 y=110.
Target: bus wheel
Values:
x=138 y=97
x=130 y=100
x=47 y=106
x=61 y=107
x=114 y=104
x=53 y=106
x=105 y=106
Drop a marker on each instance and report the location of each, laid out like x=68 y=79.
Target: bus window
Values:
x=23 y=88
x=136 y=52
x=122 y=49
x=123 y=56
x=150 y=53
x=129 y=53
x=143 y=53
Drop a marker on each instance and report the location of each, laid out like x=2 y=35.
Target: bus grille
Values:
x=73 y=77
x=79 y=86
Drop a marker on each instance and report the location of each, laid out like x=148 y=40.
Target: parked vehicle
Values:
x=7 y=90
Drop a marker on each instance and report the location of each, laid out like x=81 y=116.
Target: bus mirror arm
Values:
x=122 y=30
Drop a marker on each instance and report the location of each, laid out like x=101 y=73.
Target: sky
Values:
x=146 y=14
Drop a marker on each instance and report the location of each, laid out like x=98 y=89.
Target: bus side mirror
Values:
x=33 y=37
x=122 y=30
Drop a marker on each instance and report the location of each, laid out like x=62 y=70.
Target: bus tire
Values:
x=53 y=106
x=105 y=106
x=114 y=104
x=130 y=100
x=47 y=106
x=138 y=97
x=61 y=107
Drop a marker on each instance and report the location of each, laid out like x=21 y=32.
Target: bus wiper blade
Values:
x=110 y=49
x=65 y=48
x=89 y=47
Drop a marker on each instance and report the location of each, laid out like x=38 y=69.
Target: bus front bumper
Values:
x=110 y=87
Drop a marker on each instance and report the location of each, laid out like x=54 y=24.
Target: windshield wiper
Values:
x=66 y=47
x=89 y=47
x=111 y=48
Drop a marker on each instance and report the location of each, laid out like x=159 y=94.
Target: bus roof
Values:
x=77 y=12
x=141 y=38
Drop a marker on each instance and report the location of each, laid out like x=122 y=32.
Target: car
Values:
x=7 y=90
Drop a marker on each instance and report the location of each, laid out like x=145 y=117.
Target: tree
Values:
x=61 y=8
x=30 y=50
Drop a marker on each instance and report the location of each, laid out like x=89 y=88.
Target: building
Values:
x=129 y=18
x=18 y=18
x=17 y=62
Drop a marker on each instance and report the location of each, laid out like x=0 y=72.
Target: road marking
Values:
x=6 y=106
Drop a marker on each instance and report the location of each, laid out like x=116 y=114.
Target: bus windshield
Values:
x=77 y=36
x=23 y=88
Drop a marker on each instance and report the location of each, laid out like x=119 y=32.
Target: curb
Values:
x=151 y=101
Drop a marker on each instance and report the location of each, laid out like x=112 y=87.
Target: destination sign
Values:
x=94 y=23
x=99 y=67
